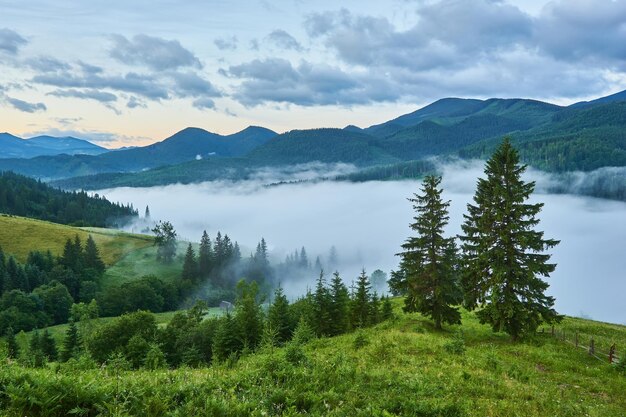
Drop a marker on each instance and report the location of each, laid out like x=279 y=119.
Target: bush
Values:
x=457 y=345
x=360 y=340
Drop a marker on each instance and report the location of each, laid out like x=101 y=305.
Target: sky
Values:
x=124 y=73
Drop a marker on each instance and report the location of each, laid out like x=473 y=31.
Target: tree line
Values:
x=42 y=291
x=500 y=266
x=23 y=196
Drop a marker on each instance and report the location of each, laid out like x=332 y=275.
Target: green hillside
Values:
x=20 y=235
x=398 y=368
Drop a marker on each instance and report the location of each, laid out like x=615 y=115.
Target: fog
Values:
x=367 y=223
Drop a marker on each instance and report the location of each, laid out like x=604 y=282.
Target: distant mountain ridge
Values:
x=550 y=137
x=15 y=147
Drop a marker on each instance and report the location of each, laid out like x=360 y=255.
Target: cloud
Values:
x=134 y=102
x=190 y=84
x=140 y=84
x=11 y=41
x=277 y=80
x=224 y=44
x=155 y=53
x=203 y=103
x=25 y=106
x=101 y=96
x=591 y=30
x=284 y=40
x=46 y=64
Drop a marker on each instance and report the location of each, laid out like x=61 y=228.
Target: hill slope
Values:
x=397 y=368
x=20 y=235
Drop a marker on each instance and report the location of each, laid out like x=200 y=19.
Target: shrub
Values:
x=456 y=346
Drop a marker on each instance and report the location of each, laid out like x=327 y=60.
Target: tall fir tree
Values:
x=279 y=318
x=361 y=302
x=503 y=256
x=429 y=259
x=205 y=256
x=92 y=257
x=322 y=307
x=48 y=346
x=248 y=316
x=190 y=266
x=339 y=306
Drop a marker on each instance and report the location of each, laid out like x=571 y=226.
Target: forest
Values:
x=23 y=196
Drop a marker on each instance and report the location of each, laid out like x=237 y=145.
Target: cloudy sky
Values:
x=121 y=72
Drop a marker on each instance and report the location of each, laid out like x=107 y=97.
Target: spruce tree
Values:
x=429 y=259
x=279 y=318
x=13 y=349
x=322 y=307
x=92 y=256
x=248 y=314
x=360 y=305
x=339 y=306
x=387 y=310
x=190 y=266
x=503 y=256
x=48 y=346
x=205 y=256
x=71 y=343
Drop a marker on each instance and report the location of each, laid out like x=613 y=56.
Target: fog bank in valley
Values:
x=367 y=223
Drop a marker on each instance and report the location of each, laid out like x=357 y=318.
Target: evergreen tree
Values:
x=92 y=256
x=360 y=306
x=3 y=272
x=502 y=253
x=34 y=349
x=71 y=343
x=375 y=309
x=261 y=255
x=322 y=307
x=225 y=341
x=318 y=264
x=147 y=213
x=387 y=310
x=13 y=349
x=205 y=256
x=339 y=306
x=190 y=266
x=429 y=259
x=248 y=314
x=279 y=318
x=48 y=346
x=398 y=282
x=304 y=259
x=333 y=258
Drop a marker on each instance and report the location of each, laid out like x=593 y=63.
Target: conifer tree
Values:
x=3 y=272
x=322 y=307
x=304 y=259
x=503 y=256
x=279 y=318
x=248 y=314
x=360 y=305
x=205 y=256
x=225 y=340
x=318 y=264
x=147 y=213
x=429 y=259
x=339 y=306
x=71 y=343
x=92 y=256
x=48 y=346
x=375 y=309
x=387 y=309
x=13 y=349
x=190 y=266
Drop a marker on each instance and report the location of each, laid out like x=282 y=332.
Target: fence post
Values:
x=592 y=347
x=612 y=353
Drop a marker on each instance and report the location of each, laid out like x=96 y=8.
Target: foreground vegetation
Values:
x=399 y=367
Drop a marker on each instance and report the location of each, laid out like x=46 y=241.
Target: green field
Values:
x=20 y=235
x=398 y=368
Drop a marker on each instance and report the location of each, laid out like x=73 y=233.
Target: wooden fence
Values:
x=611 y=355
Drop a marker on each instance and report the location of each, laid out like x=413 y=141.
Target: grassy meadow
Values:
x=20 y=235
x=397 y=368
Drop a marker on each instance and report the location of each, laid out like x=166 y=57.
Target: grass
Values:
x=20 y=235
x=400 y=367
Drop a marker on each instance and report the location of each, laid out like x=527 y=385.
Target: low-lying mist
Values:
x=367 y=223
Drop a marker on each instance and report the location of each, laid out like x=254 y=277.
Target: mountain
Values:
x=14 y=147
x=613 y=98
x=187 y=145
